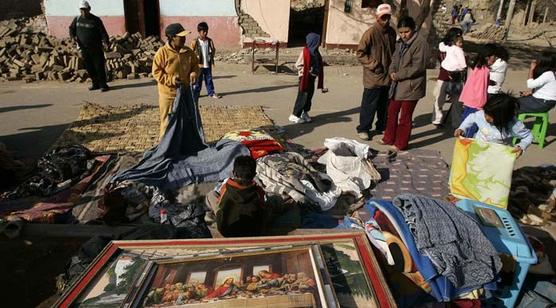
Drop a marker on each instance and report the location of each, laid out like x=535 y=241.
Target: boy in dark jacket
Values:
x=204 y=48
x=239 y=203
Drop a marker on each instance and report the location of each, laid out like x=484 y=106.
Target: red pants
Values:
x=397 y=134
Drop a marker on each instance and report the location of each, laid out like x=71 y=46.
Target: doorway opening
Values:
x=305 y=16
x=142 y=16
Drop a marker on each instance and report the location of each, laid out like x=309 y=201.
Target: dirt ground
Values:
x=32 y=116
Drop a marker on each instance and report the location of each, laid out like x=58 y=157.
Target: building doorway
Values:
x=305 y=16
x=142 y=16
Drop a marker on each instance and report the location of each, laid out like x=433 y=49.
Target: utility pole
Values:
x=500 y=7
x=545 y=14
x=510 y=14
x=532 y=11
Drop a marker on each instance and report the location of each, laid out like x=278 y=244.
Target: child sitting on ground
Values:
x=497 y=123
x=239 y=203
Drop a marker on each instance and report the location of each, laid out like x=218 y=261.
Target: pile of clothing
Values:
x=55 y=171
x=434 y=245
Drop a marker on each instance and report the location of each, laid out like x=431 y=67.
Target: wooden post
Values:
x=253 y=57
x=545 y=14
x=277 y=54
x=500 y=7
x=532 y=11
x=510 y=14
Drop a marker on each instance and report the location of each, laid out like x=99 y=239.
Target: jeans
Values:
x=466 y=26
x=206 y=75
x=304 y=99
x=470 y=132
x=374 y=101
x=93 y=59
x=397 y=133
x=533 y=104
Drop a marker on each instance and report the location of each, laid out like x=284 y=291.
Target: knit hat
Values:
x=383 y=9
x=175 y=30
x=84 y=5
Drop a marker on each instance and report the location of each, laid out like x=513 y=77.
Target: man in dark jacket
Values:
x=89 y=33
x=375 y=54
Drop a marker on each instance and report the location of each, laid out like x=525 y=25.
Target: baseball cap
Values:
x=84 y=5
x=175 y=30
x=383 y=9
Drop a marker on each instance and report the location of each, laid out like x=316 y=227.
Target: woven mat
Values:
x=135 y=128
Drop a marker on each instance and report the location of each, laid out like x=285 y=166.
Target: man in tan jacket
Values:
x=375 y=54
x=174 y=65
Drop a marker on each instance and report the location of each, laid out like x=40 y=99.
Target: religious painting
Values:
x=111 y=288
x=257 y=272
x=290 y=279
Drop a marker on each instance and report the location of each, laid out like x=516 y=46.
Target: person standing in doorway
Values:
x=408 y=73
x=375 y=54
x=91 y=36
x=174 y=65
x=204 y=48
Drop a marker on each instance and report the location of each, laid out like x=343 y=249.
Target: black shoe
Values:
x=104 y=89
x=94 y=87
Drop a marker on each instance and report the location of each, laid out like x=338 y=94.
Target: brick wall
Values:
x=19 y=8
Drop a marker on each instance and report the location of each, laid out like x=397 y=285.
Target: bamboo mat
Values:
x=135 y=128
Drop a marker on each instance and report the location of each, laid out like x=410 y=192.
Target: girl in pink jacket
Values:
x=474 y=94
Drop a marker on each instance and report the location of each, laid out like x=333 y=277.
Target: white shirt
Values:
x=497 y=74
x=205 y=51
x=544 y=86
x=455 y=58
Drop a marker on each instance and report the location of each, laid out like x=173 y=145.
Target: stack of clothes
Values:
x=437 y=248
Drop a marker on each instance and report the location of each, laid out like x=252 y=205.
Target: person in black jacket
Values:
x=89 y=33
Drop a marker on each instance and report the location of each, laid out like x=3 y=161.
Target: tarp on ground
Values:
x=182 y=157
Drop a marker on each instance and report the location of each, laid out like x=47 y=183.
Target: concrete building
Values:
x=234 y=23
x=150 y=17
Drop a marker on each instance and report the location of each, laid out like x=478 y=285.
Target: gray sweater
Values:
x=452 y=240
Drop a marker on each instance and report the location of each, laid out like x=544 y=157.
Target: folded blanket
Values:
x=452 y=240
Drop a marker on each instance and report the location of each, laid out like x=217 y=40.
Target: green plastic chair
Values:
x=540 y=126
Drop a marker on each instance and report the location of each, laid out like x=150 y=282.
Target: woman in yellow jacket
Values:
x=174 y=64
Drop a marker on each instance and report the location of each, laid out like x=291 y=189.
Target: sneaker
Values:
x=305 y=116
x=295 y=119
x=363 y=136
x=217 y=96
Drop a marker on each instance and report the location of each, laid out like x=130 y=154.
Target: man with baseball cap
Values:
x=89 y=33
x=375 y=54
x=174 y=65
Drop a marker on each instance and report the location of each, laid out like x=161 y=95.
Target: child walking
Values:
x=497 y=123
x=498 y=70
x=204 y=48
x=310 y=67
x=450 y=77
x=238 y=205
x=474 y=93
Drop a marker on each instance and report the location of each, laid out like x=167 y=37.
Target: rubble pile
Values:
x=27 y=53
x=490 y=32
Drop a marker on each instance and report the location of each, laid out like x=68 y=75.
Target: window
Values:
x=370 y=3
x=347 y=6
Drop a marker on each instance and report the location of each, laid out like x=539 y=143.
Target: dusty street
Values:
x=32 y=116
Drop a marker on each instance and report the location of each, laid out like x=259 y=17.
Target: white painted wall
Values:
x=272 y=15
x=346 y=29
x=71 y=7
x=198 y=7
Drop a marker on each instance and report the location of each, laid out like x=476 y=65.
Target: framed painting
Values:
x=235 y=280
x=344 y=262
